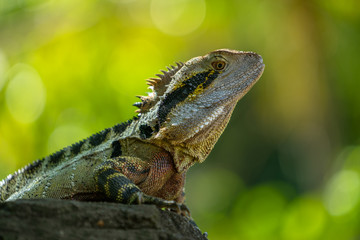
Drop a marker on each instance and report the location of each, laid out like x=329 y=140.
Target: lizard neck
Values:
x=190 y=149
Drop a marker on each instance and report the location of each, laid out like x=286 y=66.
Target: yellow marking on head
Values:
x=196 y=92
x=199 y=89
x=181 y=84
x=211 y=73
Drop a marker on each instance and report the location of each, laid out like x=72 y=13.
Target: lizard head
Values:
x=192 y=112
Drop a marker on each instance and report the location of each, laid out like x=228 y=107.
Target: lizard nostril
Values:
x=254 y=56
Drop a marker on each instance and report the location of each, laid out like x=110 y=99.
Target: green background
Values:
x=288 y=164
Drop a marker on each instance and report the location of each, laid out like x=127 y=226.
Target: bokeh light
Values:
x=126 y=64
x=259 y=213
x=343 y=192
x=3 y=68
x=178 y=17
x=64 y=134
x=25 y=94
x=305 y=219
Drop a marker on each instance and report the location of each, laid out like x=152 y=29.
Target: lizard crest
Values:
x=158 y=86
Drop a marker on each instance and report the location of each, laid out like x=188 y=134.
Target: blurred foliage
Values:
x=288 y=165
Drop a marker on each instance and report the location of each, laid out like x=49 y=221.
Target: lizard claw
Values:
x=139 y=198
x=179 y=208
x=185 y=211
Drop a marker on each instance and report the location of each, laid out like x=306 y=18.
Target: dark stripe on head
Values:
x=99 y=138
x=116 y=149
x=145 y=131
x=75 y=148
x=180 y=94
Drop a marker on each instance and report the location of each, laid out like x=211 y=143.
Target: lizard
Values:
x=145 y=160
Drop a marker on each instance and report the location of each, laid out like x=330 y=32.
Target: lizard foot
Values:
x=141 y=198
x=184 y=210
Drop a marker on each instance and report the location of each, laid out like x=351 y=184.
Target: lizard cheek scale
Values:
x=145 y=159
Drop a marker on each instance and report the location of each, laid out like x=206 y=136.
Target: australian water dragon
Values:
x=145 y=159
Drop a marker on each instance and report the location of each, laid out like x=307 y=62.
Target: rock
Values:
x=65 y=219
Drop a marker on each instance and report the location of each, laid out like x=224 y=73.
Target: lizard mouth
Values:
x=246 y=79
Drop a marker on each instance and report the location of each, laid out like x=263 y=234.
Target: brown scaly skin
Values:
x=145 y=159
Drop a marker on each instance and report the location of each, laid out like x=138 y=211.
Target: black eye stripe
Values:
x=180 y=94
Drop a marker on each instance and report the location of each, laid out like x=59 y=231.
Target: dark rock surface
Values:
x=64 y=219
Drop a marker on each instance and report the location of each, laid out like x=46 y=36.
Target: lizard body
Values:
x=145 y=159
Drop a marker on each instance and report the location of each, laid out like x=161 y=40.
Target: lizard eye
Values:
x=218 y=65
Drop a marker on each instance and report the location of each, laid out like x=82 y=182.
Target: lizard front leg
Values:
x=120 y=179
